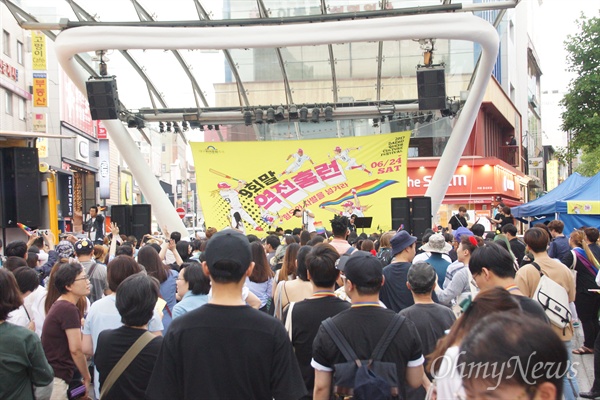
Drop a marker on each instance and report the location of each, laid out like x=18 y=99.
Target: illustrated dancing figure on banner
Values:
x=343 y=155
x=272 y=220
x=350 y=207
x=236 y=212
x=299 y=159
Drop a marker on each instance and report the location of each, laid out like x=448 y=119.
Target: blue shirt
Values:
x=559 y=247
x=440 y=265
x=167 y=291
x=189 y=302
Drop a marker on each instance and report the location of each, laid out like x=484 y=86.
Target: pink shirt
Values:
x=341 y=245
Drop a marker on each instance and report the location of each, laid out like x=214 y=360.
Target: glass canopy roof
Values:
x=376 y=71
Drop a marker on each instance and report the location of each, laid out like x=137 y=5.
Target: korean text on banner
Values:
x=38 y=51
x=40 y=90
x=257 y=185
x=583 y=207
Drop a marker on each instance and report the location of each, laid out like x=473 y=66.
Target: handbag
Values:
x=124 y=362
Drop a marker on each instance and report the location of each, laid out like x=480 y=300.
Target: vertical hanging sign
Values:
x=38 y=51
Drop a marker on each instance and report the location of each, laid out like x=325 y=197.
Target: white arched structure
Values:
x=440 y=26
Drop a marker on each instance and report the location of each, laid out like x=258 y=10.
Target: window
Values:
x=164 y=147
x=6 y=42
x=19 y=52
x=8 y=100
x=22 y=109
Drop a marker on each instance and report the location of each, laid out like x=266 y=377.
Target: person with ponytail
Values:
x=587 y=303
x=460 y=285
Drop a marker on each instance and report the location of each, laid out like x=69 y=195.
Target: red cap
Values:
x=223 y=185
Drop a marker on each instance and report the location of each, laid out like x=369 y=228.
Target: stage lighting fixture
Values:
x=270 y=115
x=303 y=114
x=293 y=112
x=279 y=114
x=217 y=128
x=375 y=122
x=168 y=127
x=258 y=116
x=195 y=125
x=315 y=115
x=176 y=127
x=131 y=122
x=161 y=127
x=184 y=125
x=247 y=118
x=328 y=114
x=210 y=127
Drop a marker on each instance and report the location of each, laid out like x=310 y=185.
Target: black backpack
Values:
x=370 y=379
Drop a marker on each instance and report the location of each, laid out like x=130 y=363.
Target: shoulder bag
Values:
x=124 y=362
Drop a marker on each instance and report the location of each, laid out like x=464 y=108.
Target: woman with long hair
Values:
x=261 y=281
x=288 y=267
x=503 y=241
x=587 y=303
x=149 y=259
x=24 y=364
x=384 y=254
x=61 y=334
x=298 y=288
x=443 y=361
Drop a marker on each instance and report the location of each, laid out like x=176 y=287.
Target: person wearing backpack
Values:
x=528 y=278
x=388 y=346
x=84 y=249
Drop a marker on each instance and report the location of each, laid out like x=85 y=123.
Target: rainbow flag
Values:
x=365 y=189
x=25 y=228
x=320 y=228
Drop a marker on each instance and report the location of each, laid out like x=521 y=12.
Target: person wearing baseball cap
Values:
x=84 y=249
x=364 y=280
x=216 y=336
x=395 y=295
x=431 y=319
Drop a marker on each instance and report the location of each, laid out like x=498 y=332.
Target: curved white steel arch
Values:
x=442 y=26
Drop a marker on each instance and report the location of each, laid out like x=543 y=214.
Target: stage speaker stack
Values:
x=20 y=191
x=133 y=220
x=414 y=214
x=431 y=88
x=401 y=213
x=103 y=98
x=421 y=215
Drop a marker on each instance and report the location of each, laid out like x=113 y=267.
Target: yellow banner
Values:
x=257 y=185
x=38 y=51
x=40 y=90
x=126 y=188
x=583 y=207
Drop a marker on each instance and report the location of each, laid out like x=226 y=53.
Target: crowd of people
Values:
x=299 y=315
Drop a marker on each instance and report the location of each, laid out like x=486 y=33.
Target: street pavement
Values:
x=584 y=364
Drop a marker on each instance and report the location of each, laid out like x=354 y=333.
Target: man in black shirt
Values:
x=225 y=349
x=394 y=294
x=363 y=281
x=517 y=247
x=305 y=317
x=431 y=319
x=458 y=220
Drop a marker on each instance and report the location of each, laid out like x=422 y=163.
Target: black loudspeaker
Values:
x=141 y=220
x=121 y=215
x=431 y=88
x=133 y=220
x=20 y=196
x=103 y=98
x=401 y=213
x=421 y=215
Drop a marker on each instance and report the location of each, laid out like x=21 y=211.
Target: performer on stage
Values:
x=308 y=219
x=94 y=226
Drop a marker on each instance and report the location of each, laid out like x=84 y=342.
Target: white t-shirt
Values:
x=232 y=197
x=309 y=221
x=447 y=378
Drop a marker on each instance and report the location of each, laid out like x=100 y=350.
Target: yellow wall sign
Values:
x=583 y=207
x=40 y=90
x=255 y=186
x=38 y=50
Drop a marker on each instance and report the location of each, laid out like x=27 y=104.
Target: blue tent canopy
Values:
x=589 y=191
x=546 y=205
